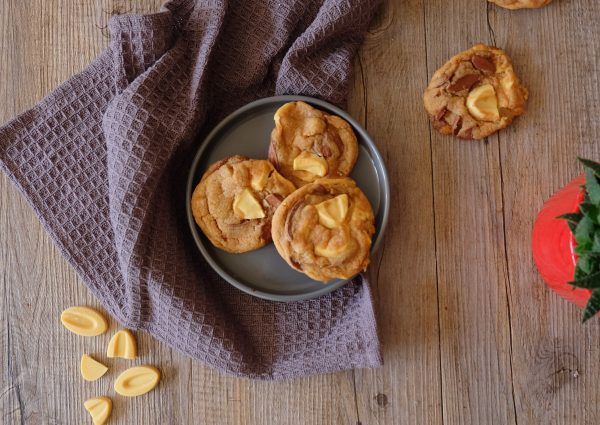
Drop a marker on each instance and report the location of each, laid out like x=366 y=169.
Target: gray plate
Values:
x=263 y=273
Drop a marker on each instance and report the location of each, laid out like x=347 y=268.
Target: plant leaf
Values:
x=590 y=211
x=583 y=248
x=592 y=186
x=590 y=164
x=591 y=281
x=579 y=274
x=571 y=217
x=572 y=226
x=588 y=264
x=584 y=232
x=596 y=244
x=584 y=264
x=592 y=307
x=594 y=263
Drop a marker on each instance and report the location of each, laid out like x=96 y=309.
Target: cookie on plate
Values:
x=521 y=4
x=475 y=94
x=307 y=144
x=235 y=201
x=324 y=229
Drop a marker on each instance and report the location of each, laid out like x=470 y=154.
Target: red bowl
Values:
x=553 y=243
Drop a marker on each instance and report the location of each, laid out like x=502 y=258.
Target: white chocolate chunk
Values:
x=246 y=206
x=84 y=321
x=122 y=344
x=99 y=409
x=137 y=380
x=310 y=163
x=91 y=369
x=483 y=104
x=333 y=211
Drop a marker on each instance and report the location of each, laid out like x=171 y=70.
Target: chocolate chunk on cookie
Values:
x=235 y=201
x=475 y=94
x=308 y=144
x=521 y=4
x=324 y=229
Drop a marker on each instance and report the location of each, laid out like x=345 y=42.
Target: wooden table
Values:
x=470 y=333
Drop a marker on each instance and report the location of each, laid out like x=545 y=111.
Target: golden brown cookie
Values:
x=521 y=4
x=475 y=94
x=308 y=144
x=324 y=229
x=235 y=201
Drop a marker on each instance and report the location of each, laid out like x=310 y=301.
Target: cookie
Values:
x=475 y=94
x=521 y=4
x=235 y=201
x=308 y=144
x=324 y=229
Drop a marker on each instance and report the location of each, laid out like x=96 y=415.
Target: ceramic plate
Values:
x=263 y=273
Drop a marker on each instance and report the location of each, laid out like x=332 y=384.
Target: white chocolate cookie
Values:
x=475 y=94
x=308 y=144
x=324 y=229
x=235 y=201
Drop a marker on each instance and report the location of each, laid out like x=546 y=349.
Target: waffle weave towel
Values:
x=103 y=161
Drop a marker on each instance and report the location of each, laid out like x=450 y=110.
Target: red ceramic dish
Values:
x=553 y=243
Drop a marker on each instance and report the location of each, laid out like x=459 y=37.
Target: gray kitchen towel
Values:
x=103 y=161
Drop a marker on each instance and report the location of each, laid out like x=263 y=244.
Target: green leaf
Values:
x=592 y=307
x=590 y=164
x=591 y=281
x=592 y=186
x=583 y=248
x=571 y=217
x=588 y=264
x=584 y=264
x=572 y=226
x=596 y=244
x=579 y=274
x=584 y=232
x=590 y=211
x=594 y=263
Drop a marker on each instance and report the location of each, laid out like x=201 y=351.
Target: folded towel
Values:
x=103 y=161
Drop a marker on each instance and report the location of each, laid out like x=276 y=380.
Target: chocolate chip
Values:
x=274 y=199
x=438 y=125
x=463 y=83
x=483 y=64
x=456 y=125
x=331 y=138
x=272 y=155
x=319 y=189
x=289 y=222
x=266 y=231
x=296 y=264
x=440 y=115
x=322 y=149
x=467 y=134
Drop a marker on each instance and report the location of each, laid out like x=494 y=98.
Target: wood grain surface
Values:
x=470 y=333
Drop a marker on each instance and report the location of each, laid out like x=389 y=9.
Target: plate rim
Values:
x=193 y=227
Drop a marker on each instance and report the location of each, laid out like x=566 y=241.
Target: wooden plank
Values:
x=407 y=390
x=474 y=315
x=497 y=321
x=556 y=360
x=43 y=43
